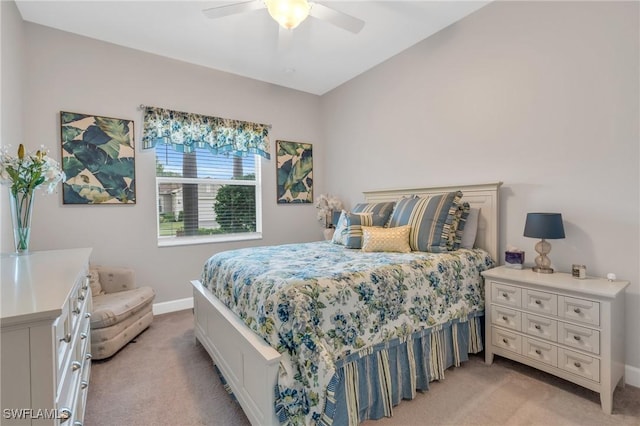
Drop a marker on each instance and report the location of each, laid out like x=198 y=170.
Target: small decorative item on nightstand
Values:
x=579 y=271
x=513 y=258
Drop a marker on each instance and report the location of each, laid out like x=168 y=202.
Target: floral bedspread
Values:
x=318 y=302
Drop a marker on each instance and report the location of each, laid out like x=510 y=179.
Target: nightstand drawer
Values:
x=579 y=337
x=505 y=294
x=505 y=317
x=580 y=310
x=540 y=351
x=540 y=302
x=582 y=365
x=506 y=340
x=540 y=327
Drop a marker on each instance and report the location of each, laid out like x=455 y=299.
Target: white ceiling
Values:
x=317 y=58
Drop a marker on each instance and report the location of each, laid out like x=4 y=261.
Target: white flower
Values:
x=28 y=171
x=326 y=205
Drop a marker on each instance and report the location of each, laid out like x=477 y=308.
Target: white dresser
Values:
x=572 y=328
x=46 y=304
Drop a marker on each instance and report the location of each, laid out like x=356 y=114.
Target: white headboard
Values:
x=482 y=196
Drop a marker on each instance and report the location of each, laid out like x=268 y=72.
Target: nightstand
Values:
x=568 y=327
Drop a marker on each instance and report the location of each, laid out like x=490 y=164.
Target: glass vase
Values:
x=21 y=209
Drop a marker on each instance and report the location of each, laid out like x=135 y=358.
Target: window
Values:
x=204 y=197
x=208 y=181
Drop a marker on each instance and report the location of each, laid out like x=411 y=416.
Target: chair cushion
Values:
x=111 y=308
x=104 y=347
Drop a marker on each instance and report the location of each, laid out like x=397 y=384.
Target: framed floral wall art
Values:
x=294 y=167
x=98 y=159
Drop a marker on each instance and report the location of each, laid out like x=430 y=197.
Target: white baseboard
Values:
x=632 y=376
x=172 y=306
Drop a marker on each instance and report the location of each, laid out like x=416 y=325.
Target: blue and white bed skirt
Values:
x=369 y=383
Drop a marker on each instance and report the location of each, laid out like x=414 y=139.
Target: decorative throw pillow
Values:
x=355 y=222
x=457 y=226
x=470 y=229
x=340 y=234
x=94 y=282
x=386 y=239
x=430 y=219
x=382 y=209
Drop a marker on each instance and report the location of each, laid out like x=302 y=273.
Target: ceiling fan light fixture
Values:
x=288 y=13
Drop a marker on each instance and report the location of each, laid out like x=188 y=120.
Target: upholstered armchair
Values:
x=121 y=310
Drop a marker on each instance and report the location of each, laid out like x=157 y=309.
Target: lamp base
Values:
x=542 y=270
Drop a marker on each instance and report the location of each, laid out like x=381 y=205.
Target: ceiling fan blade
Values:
x=233 y=9
x=339 y=19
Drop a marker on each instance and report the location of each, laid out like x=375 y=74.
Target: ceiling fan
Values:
x=290 y=13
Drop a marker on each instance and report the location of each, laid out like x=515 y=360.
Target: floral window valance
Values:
x=187 y=131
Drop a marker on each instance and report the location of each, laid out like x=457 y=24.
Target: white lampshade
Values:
x=288 y=13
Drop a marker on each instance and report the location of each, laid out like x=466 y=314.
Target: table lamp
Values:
x=544 y=226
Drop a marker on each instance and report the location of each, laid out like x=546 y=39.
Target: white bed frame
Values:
x=250 y=365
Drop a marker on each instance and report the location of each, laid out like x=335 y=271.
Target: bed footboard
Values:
x=247 y=362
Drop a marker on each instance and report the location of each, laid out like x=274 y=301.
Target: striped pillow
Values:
x=430 y=219
x=382 y=209
x=355 y=222
x=457 y=227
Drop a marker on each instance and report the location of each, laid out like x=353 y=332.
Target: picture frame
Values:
x=294 y=172
x=98 y=159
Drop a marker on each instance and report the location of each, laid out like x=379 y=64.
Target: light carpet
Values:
x=166 y=378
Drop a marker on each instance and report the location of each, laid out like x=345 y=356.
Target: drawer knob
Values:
x=577 y=310
x=76 y=311
x=84 y=384
x=75 y=365
x=87 y=315
x=88 y=356
x=505 y=295
x=577 y=364
x=83 y=335
x=66 y=338
x=538 y=351
x=537 y=326
x=64 y=414
x=538 y=302
x=505 y=319
x=77 y=423
x=576 y=337
x=505 y=341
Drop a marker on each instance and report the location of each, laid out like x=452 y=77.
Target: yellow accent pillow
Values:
x=386 y=239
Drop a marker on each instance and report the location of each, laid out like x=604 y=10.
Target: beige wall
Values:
x=72 y=73
x=11 y=92
x=542 y=96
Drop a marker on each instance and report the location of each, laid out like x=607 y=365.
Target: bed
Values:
x=299 y=338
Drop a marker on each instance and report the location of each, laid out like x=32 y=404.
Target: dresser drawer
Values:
x=540 y=302
x=505 y=317
x=582 y=365
x=506 y=340
x=62 y=335
x=540 y=351
x=581 y=310
x=540 y=327
x=579 y=337
x=505 y=294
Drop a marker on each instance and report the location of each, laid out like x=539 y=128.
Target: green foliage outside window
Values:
x=235 y=208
